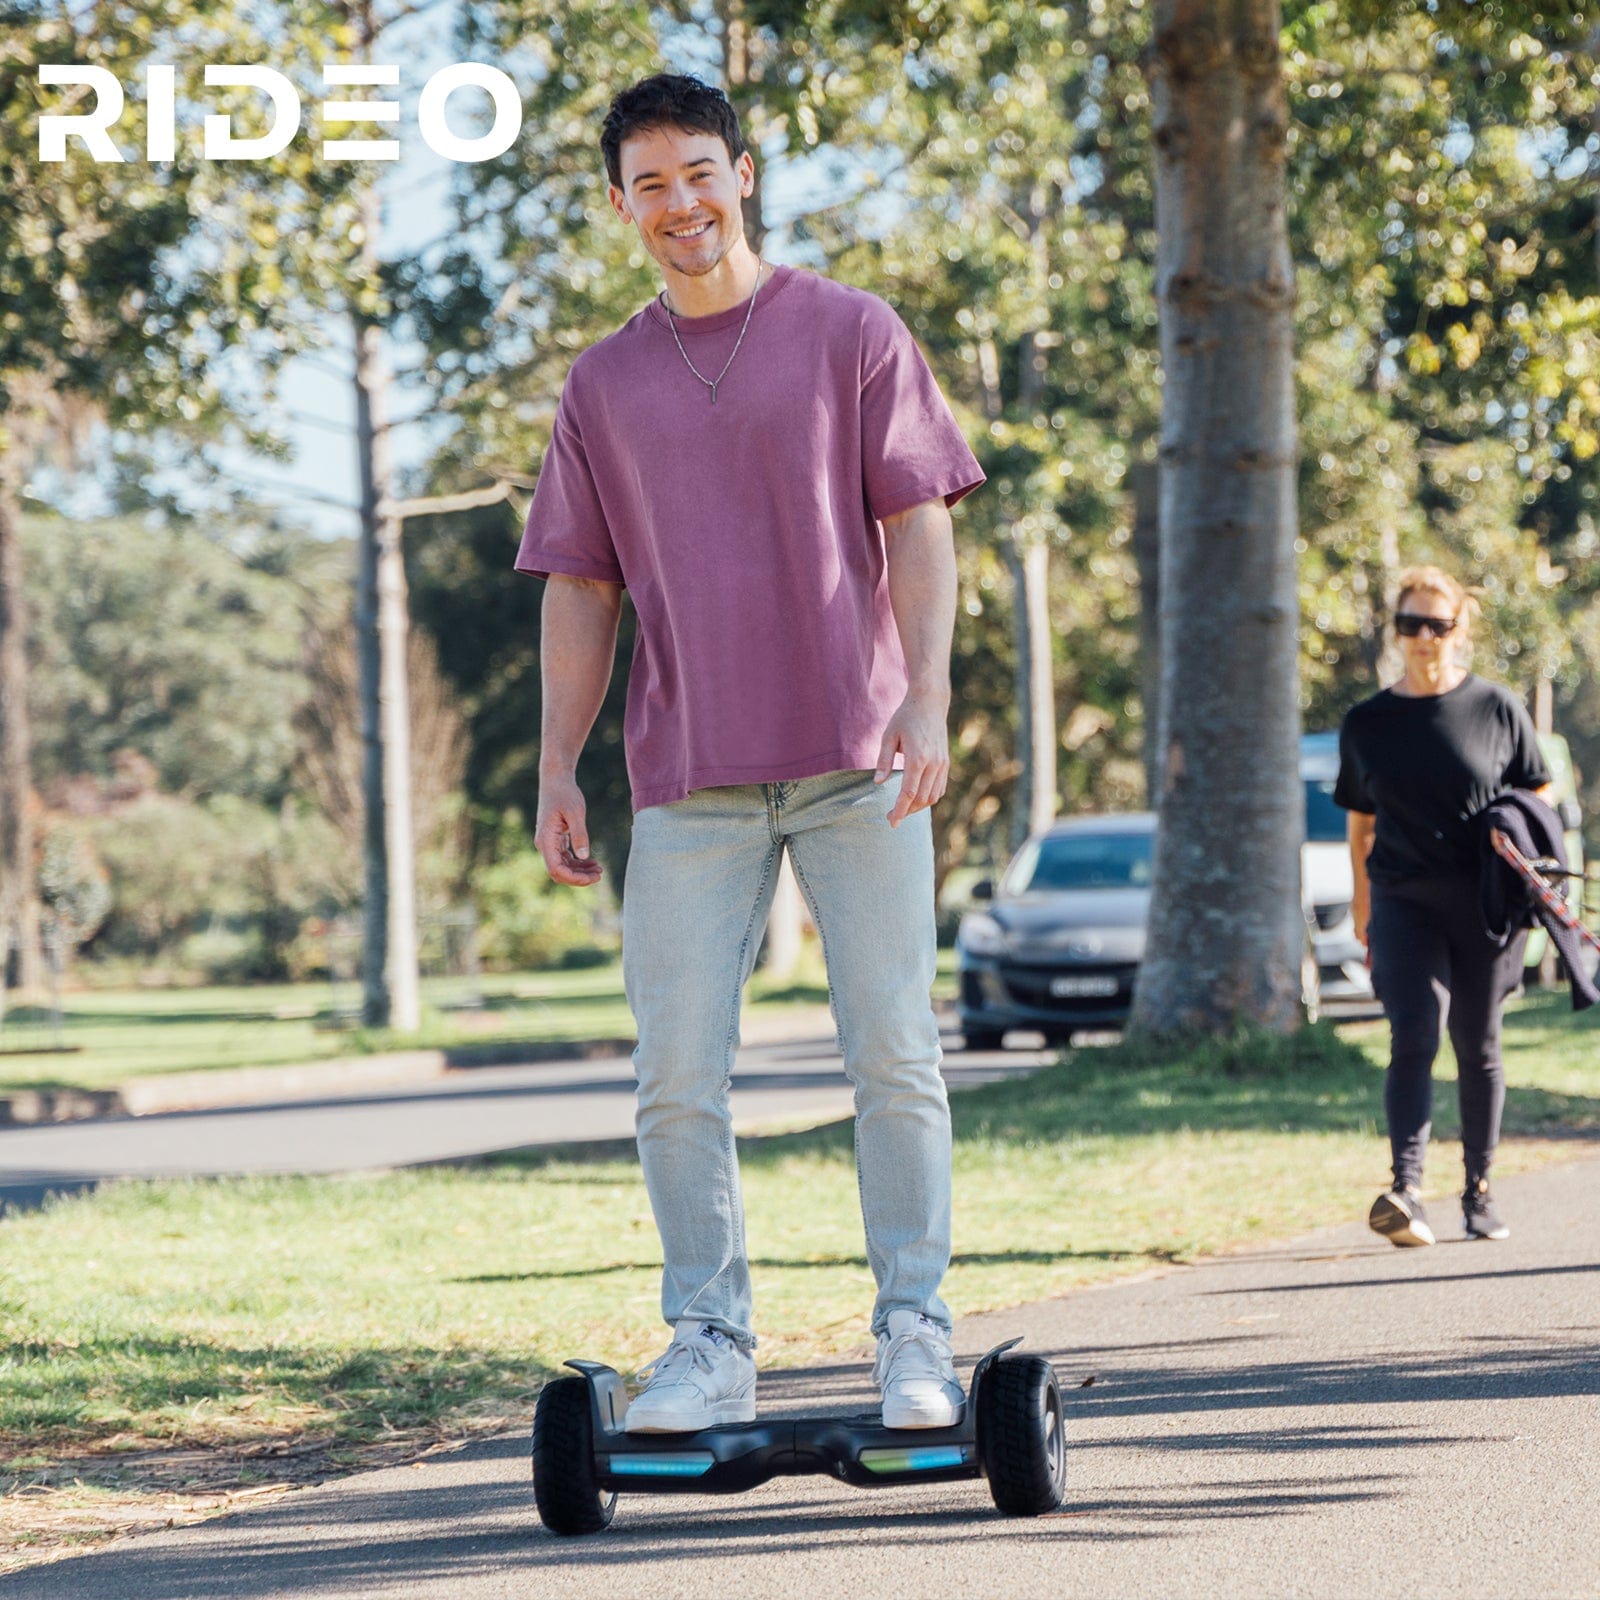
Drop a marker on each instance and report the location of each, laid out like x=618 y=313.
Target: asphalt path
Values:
x=466 y=1113
x=1327 y=1417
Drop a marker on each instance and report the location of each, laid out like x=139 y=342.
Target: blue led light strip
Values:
x=686 y=1464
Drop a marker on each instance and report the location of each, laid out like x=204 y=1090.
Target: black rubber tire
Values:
x=975 y=1040
x=565 y=1488
x=1022 y=1436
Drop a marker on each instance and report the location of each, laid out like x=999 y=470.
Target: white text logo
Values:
x=221 y=144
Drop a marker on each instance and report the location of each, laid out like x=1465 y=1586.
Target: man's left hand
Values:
x=917 y=730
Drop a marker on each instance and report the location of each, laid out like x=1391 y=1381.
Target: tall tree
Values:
x=369 y=288
x=1226 y=934
x=109 y=308
x=390 y=988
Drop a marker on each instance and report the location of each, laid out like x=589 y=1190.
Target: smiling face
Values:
x=682 y=193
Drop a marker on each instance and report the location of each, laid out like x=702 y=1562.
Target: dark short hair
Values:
x=668 y=100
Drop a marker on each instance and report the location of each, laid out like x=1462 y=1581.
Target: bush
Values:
x=224 y=883
x=526 y=920
x=224 y=953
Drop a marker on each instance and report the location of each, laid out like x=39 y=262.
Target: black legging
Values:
x=1431 y=960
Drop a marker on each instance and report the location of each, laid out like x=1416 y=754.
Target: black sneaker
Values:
x=1478 y=1214
x=1398 y=1215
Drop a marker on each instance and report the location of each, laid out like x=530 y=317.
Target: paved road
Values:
x=465 y=1113
x=1329 y=1417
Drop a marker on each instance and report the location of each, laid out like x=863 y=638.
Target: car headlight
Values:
x=981 y=935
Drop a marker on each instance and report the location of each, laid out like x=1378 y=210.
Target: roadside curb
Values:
x=201 y=1091
x=207 y=1091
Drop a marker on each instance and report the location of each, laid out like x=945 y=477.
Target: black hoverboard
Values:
x=1011 y=1433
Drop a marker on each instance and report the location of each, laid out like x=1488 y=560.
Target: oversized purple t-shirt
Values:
x=748 y=532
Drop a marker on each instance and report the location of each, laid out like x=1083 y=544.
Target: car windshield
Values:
x=1324 y=820
x=1081 y=861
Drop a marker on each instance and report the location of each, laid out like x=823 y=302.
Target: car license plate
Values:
x=1084 y=987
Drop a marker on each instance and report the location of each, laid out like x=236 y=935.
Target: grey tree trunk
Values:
x=19 y=899
x=389 y=989
x=739 y=71
x=1145 y=481
x=1036 y=680
x=1029 y=565
x=1034 y=795
x=1226 y=930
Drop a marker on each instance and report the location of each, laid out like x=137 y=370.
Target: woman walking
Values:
x=1417 y=762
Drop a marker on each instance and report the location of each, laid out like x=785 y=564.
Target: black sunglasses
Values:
x=1408 y=625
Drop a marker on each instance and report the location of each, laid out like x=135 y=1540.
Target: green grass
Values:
x=436 y=1300
x=127 y=1034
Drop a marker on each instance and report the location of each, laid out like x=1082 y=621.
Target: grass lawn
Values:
x=133 y=1033
x=252 y=1318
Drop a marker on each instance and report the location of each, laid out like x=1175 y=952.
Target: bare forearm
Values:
x=1361 y=832
x=922 y=594
x=577 y=645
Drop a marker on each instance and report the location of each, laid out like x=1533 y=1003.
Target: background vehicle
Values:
x=1056 y=945
x=1326 y=877
x=1326 y=873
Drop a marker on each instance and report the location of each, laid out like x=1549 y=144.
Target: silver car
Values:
x=1056 y=946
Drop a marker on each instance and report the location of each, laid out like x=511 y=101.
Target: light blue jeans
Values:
x=701 y=876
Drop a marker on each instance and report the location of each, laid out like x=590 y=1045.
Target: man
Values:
x=763 y=459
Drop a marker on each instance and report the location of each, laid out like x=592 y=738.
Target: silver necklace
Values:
x=672 y=322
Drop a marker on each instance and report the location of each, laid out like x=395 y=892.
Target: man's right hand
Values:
x=561 y=834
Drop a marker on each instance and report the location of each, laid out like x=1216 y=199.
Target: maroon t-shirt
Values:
x=748 y=532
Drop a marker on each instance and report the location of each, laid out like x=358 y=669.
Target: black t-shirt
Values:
x=1427 y=764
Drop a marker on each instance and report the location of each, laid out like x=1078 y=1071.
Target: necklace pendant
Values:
x=713 y=394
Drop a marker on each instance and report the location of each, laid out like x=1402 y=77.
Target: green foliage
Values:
x=220 y=888
x=159 y=639
x=526 y=921
x=1443 y=210
x=1022 y=258
x=485 y=620
x=108 y=293
x=74 y=887
x=984 y=164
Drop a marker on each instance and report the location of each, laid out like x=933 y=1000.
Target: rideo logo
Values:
x=220 y=142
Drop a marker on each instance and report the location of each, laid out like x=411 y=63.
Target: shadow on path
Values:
x=1177 y=1398
x=982 y=1258
x=1422 y=1280
x=451 y=1535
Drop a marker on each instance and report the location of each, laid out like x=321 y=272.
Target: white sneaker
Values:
x=916 y=1374
x=702 y=1381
